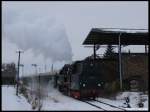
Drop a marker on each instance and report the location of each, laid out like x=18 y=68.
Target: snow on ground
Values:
x=12 y=102
x=120 y=102
x=134 y=98
x=57 y=101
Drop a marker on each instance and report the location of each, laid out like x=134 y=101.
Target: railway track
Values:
x=103 y=105
x=93 y=105
x=110 y=105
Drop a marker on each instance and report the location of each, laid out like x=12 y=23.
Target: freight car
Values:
x=86 y=78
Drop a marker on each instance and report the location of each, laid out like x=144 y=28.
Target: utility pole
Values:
x=45 y=68
x=17 y=77
x=32 y=83
x=35 y=65
x=21 y=65
x=52 y=69
x=39 y=70
x=39 y=95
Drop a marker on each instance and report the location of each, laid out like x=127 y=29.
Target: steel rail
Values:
x=93 y=105
x=109 y=105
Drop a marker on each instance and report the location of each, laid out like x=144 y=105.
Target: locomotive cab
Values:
x=91 y=81
x=86 y=79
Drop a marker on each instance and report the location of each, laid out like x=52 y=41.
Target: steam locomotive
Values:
x=91 y=78
x=86 y=78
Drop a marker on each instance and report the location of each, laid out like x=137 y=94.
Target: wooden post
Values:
x=17 y=77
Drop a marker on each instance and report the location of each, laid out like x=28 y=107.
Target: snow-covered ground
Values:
x=12 y=102
x=135 y=98
x=57 y=101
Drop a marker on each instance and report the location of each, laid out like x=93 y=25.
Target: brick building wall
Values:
x=135 y=66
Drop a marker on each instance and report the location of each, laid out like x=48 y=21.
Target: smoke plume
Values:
x=41 y=34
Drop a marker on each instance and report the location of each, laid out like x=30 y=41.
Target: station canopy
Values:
x=106 y=37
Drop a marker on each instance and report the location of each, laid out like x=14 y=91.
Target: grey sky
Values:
x=75 y=18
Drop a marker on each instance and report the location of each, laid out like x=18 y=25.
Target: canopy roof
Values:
x=105 y=37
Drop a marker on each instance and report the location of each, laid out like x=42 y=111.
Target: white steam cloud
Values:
x=44 y=35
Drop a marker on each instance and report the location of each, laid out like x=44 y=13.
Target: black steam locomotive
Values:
x=86 y=78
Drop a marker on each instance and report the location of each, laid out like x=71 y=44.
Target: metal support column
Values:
x=94 y=52
x=146 y=48
x=120 y=62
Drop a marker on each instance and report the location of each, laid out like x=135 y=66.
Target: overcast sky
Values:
x=53 y=32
